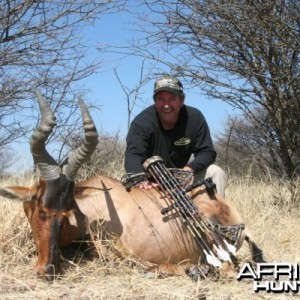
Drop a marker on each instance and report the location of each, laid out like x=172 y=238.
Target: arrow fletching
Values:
x=212 y=260
x=222 y=254
x=230 y=247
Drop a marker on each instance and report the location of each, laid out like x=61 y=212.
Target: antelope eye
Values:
x=42 y=215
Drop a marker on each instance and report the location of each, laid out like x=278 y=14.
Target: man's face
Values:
x=168 y=108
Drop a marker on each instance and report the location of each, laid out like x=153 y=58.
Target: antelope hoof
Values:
x=47 y=273
x=197 y=272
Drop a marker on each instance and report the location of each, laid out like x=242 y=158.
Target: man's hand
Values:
x=186 y=168
x=147 y=185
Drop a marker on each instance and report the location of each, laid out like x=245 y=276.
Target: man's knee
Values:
x=215 y=172
x=218 y=176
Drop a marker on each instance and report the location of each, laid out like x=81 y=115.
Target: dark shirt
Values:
x=147 y=138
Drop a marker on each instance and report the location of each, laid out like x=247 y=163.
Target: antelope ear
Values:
x=17 y=193
x=29 y=207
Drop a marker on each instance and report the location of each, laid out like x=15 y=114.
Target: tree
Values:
x=41 y=47
x=107 y=159
x=240 y=51
x=6 y=158
x=133 y=95
x=243 y=150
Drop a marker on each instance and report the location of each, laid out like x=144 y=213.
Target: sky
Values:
x=106 y=91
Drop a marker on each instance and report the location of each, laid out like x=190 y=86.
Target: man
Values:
x=173 y=131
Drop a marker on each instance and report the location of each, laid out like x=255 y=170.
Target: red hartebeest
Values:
x=59 y=210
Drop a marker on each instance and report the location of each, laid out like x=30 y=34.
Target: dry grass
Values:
x=274 y=227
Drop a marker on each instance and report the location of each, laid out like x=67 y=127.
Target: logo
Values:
x=272 y=277
x=182 y=141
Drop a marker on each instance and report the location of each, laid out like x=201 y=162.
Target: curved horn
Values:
x=82 y=153
x=48 y=167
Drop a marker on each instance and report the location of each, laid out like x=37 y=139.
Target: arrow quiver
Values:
x=132 y=179
x=129 y=180
x=204 y=232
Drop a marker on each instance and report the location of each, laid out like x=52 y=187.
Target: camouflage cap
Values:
x=168 y=83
